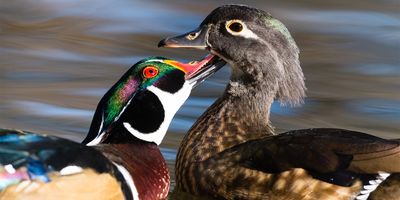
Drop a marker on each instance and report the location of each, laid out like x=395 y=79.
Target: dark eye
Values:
x=235 y=26
x=150 y=72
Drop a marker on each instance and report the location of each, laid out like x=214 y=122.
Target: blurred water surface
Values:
x=58 y=57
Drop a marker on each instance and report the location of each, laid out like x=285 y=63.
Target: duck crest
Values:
x=282 y=48
x=124 y=90
x=111 y=106
x=278 y=25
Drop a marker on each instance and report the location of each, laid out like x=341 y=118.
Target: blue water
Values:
x=57 y=59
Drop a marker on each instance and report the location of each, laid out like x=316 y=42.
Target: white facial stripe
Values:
x=129 y=180
x=246 y=33
x=96 y=140
x=171 y=103
x=99 y=136
x=102 y=123
x=155 y=60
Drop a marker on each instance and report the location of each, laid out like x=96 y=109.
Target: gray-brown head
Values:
x=258 y=47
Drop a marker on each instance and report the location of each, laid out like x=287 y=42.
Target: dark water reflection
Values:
x=57 y=58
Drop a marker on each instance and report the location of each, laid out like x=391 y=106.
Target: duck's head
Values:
x=143 y=102
x=258 y=47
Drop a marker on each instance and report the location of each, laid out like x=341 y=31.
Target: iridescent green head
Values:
x=144 y=100
x=258 y=47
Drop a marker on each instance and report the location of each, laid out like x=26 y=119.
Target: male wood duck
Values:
x=121 y=158
x=231 y=152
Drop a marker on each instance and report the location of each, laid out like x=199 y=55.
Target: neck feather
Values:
x=241 y=114
x=145 y=164
x=249 y=103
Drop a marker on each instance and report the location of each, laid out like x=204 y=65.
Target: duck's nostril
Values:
x=162 y=43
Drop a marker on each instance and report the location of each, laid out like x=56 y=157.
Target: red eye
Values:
x=150 y=72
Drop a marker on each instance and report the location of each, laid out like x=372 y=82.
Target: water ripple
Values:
x=385 y=109
x=169 y=154
x=48 y=110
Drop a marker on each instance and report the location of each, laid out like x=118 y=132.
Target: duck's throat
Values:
x=241 y=114
x=248 y=105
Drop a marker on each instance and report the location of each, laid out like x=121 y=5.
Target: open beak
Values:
x=193 y=39
x=197 y=71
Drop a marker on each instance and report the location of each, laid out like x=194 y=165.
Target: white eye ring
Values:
x=193 y=35
x=241 y=29
x=235 y=26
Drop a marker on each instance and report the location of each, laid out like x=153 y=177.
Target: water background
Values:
x=58 y=57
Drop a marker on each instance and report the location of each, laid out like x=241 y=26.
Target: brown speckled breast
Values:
x=221 y=127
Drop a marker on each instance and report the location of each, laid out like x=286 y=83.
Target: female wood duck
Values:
x=122 y=159
x=231 y=152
